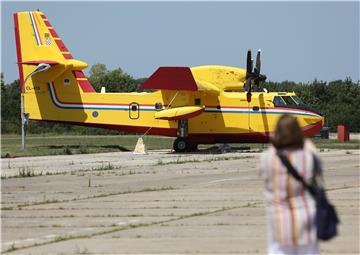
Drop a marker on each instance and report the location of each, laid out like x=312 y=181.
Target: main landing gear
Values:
x=182 y=143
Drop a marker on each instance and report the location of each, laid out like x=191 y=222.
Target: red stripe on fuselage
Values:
x=18 y=52
x=208 y=138
x=259 y=137
x=133 y=129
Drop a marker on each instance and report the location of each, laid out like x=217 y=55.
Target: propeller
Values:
x=253 y=74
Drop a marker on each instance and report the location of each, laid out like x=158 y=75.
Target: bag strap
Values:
x=295 y=173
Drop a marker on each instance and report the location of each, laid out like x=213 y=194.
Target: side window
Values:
x=158 y=106
x=134 y=110
x=297 y=100
x=278 y=101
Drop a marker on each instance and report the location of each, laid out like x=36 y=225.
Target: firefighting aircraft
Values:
x=198 y=105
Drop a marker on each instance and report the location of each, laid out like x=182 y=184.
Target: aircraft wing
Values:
x=171 y=78
x=208 y=87
x=177 y=78
x=179 y=113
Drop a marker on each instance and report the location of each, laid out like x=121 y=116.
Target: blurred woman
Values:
x=290 y=207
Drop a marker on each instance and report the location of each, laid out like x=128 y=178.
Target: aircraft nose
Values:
x=315 y=122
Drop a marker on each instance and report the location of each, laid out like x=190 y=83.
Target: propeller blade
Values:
x=247 y=86
x=258 y=63
x=258 y=77
x=249 y=65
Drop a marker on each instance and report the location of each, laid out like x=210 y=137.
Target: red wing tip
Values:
x=171 y=78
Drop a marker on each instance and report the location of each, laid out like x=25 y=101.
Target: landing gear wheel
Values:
x=181 y=144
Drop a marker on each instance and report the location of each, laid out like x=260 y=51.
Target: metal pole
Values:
x=23 y=119
x=22 y=122
x=40 y=68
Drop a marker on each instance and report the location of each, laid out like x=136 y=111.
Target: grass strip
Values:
x=179 y=160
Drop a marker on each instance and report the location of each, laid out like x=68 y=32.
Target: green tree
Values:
x=113 y=80
x=10 y=107
x=95 y=73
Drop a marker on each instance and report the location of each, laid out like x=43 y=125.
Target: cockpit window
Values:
x=297 y=100
x=286 y=101
x=289 y=100
x=278 y=101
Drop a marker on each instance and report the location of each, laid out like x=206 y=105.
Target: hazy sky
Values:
x=300 y=41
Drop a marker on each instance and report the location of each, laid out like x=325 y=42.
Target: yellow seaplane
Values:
x=198 y=105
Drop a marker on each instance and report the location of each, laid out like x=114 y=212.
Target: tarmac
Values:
x=159 y=203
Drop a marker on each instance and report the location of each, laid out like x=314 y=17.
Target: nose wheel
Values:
x=182 y=144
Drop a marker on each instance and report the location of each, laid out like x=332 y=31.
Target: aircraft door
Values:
x=134 y=112
x=258 y=119
x=253 y=117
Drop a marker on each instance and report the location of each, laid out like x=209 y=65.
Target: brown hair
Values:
x=288 y=134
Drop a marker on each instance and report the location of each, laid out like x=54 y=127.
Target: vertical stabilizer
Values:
x=37 y=42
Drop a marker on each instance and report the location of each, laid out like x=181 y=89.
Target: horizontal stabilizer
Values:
x=179 y=113
x=37 y=62
x=72 y=64
x=171 y=78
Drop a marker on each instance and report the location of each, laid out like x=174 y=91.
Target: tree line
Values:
x=337 y=100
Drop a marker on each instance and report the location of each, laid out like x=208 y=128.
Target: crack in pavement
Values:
x=90 y=197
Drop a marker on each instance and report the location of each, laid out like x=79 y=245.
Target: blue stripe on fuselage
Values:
x=126 y=108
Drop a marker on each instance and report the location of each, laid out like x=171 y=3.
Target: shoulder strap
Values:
x=317 y=164
x=295 y=173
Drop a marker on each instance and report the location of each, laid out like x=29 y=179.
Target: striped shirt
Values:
x=290 y=207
